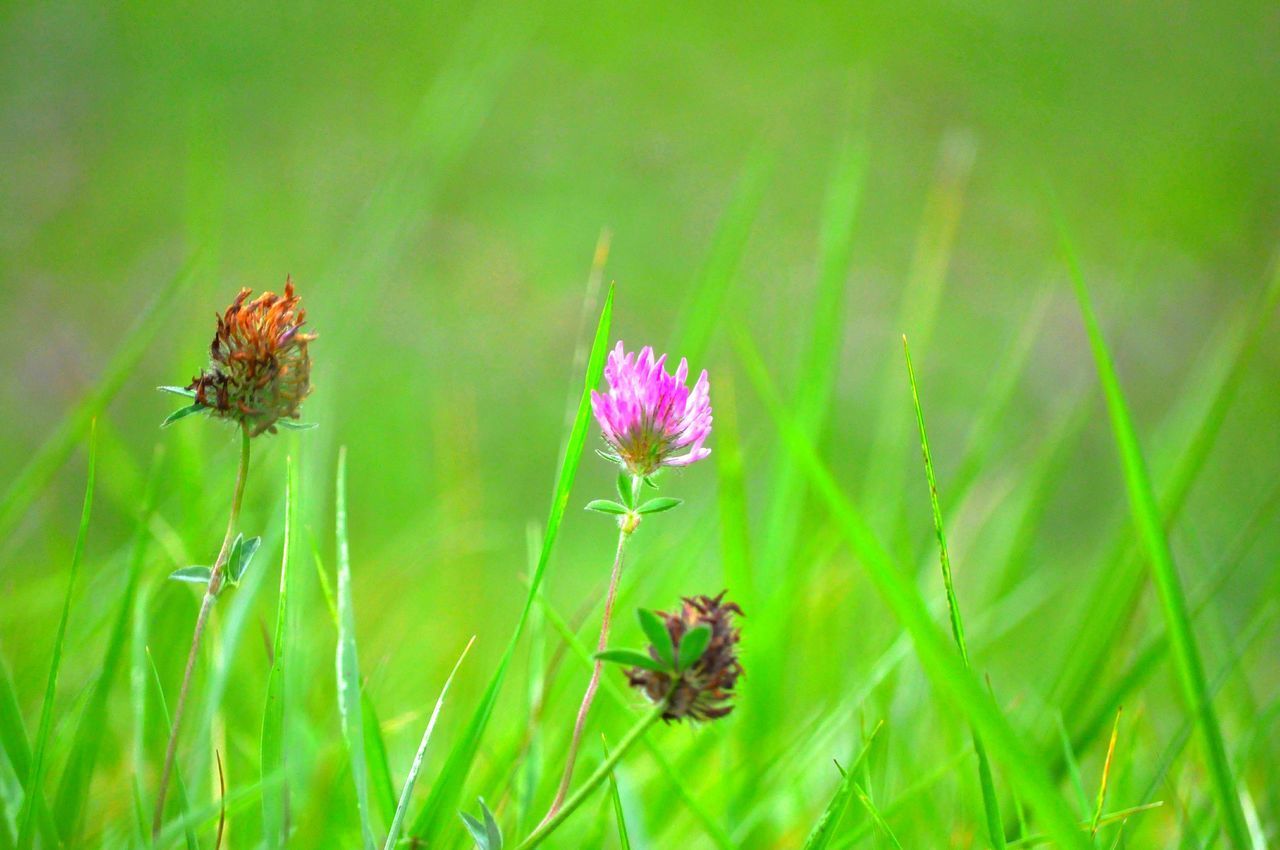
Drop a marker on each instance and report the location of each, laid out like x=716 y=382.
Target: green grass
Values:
x=1147 y=516
x=777 y=193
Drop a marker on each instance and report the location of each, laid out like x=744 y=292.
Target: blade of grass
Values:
x=735 y=535
x=442 y=802
x=179 y=785
x=1151 y=527
x=942 y=664
x=1112 y=601
x=348 y=662
x=275 y=797
x=35 y=775
x=824 y=830
x=382 y=786
x=73 y=788
x=17 y=749
x=46 y=460
x=990 y=801
x=624 y=837
x=406 y=794
x=1106 y=773
x=875 y=815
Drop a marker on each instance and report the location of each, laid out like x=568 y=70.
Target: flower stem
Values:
x=210 y=594
x=601 y=773
x=579 y=725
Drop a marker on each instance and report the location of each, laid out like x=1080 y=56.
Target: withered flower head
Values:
x=703 y=691
x=259 y=370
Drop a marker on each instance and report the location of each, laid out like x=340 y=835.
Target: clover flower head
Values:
x=648 y=415
x=703 y=691
x=259 y=370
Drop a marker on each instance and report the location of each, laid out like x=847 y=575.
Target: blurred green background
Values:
x=437 y=178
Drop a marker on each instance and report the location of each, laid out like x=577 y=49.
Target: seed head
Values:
x=259 y=369
x=648 y=415
x=703 y=691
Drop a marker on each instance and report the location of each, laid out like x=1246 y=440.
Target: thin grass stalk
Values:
x=600 y=775
x=206 y=606
x=579 y=724
x=990 y=800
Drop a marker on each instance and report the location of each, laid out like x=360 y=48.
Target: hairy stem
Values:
x=210 y=594
x=601 y=773
x=580 y=724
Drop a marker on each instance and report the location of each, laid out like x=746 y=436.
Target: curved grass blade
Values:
x=275 y=814
x=442 y=802
x=17 y=749
x=381 y=786
x=990 y=800
x=824 y=830
x=46 y=460
x=179 y=785
x=406 y=794
x=73 y=788
x=347 y=661
x=1150 y=525
x=947 y=672
x=35 y=775
x=624 y=837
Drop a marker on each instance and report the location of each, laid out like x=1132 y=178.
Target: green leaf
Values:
x=35 y=775
x=448 y=787
x=182 y=413
x=626 y=486
x=347 y=661
x=604 y=506
x=182 y=391
x=406 y=794
x=381 y=786
x=295 y=425
x=692 y=645
x=823 y=831
x=624 y=838
x=240 y=558
x=632 y=658
x=956 y=683
x=658 y=505
x=272 y=748
x=93 y=730
x=192 y=575
x=659 y=636
x=1148 y=518
x=487 y=835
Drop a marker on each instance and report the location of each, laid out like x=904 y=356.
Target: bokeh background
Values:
x=438 y=179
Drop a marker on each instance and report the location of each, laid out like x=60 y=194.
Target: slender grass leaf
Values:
x=447 y=790
x=990 y=800
x=92 y=730
x=1150 y=524
x=347 y=661
x=272 y=749
x=406 y=794
x=381 y=787
x=943 y=665
x=179 y=786
x=35 y=774
x=824 y=830
x=620 y=818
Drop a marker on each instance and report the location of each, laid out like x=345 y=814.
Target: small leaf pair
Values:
x=653 y=506
x=671 y=658
x=196 y=407
x=487 y=835
x=242 y=552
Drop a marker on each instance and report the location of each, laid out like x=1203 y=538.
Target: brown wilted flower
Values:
x=702 y=691
x=259 y=370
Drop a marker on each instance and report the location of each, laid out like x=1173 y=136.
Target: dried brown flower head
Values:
x=702 y=691
x=259 y=370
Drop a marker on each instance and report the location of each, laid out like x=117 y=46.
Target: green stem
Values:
x=601 y=773
x=206 y=606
